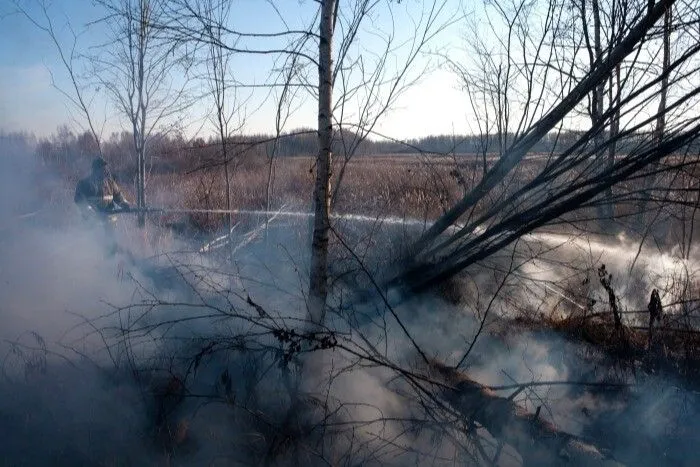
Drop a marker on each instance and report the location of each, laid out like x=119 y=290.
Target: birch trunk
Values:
x=318 y=277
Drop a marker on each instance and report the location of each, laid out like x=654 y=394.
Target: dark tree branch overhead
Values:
x=441 y=262
x=520 y=148
x=189 y=21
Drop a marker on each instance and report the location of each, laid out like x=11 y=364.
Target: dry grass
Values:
x=398 y=186
x=406 y=185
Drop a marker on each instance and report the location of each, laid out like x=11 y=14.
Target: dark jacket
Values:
x=100 y=193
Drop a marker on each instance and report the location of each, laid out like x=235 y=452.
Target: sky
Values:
x=35 y=90
x=32 y=77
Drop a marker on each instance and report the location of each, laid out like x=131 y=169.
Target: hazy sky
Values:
x=29 y=63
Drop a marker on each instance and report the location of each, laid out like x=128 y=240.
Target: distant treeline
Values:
x=72 y=152
x=304 y=143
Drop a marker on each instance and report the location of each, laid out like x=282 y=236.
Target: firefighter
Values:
x=655 y=311
x=98 y=197
x=655 y=307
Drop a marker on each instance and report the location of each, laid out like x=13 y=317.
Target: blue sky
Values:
x=29 y=60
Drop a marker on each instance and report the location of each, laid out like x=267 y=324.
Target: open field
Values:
x=203 y=346
x=413 y=186
x=405 y=186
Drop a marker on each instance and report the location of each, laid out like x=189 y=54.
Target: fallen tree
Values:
x=538 y=441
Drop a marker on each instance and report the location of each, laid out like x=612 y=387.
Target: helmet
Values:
x=98 y=163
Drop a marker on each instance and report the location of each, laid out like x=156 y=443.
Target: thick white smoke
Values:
x=65 y=399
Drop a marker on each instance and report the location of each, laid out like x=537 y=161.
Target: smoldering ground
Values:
x=106 y=362
x=56 y=407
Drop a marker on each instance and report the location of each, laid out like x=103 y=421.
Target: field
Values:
x=411 y=186
x=196 y=356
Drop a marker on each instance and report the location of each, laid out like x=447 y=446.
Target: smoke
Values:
x=96 y=348
x=120 y=359
x=69 y=416
x=564 y=269
x=57 y=271
x=54 y=275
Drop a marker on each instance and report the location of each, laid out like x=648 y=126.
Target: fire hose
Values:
x=252 y=212
x=220 y=241
x=392 y=220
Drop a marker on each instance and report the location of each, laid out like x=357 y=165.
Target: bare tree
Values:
x=137 y=69
x=318 y=278
x=660 y=128
x=186 y=23
x=283 y=112
x=568 y=181
x=224 y=94
x=596 y=103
